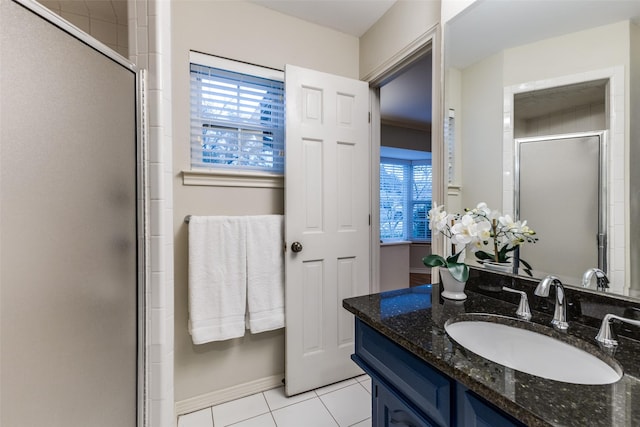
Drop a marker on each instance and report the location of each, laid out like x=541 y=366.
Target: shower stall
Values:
x=72 y=226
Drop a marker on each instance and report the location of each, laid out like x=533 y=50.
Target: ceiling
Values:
x=407 y=98
x=353 y=17
x=489 y=26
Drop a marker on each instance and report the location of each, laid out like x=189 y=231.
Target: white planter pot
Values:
x=453 y=289
x=502 y=267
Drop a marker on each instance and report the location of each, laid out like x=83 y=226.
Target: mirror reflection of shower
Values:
x=560 y=177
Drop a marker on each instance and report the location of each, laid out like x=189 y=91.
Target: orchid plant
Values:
x=505 y=236
x=475 y=229
x=463 y=231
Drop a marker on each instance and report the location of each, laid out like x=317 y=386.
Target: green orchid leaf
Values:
x=434 y=261
x=482 y=255
x=454 y=258
x=526 y=264
x=459 y=271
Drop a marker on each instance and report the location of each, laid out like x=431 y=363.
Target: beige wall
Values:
x=394 y=266
x=404 y=23
x=220 y=27
x=407 y=138
x=481 y=133
x=582 y=51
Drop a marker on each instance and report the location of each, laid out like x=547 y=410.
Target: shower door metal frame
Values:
x=142 y=196
x=603 y=174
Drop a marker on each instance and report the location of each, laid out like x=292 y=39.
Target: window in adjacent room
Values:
x=237 y=116
x=405 y=196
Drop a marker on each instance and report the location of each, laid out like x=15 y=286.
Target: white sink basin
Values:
x=532 y=352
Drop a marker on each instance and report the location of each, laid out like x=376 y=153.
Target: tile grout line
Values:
x=330 y=413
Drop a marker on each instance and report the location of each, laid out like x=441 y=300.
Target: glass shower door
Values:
x=68 y=229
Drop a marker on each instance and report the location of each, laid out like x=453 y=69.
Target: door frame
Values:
x=429 y=41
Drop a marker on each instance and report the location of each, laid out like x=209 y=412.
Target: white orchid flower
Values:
x=467 y=230
x=482 y=207
x=506 y=221
x=484 y=231
x=438 y=218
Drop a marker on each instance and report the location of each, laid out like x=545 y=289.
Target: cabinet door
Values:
x=425 y=387
x=474 y=411
x=390 y=411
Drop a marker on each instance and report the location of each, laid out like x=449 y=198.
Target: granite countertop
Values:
x=415 y=317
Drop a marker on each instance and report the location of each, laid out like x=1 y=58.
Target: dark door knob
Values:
x=296 y=247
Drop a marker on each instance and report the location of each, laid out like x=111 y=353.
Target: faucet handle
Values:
x=606 y=336
x=523 y=311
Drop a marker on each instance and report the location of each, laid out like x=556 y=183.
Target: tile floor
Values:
x=344 y=404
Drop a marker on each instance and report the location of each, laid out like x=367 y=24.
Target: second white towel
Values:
x=265 y=272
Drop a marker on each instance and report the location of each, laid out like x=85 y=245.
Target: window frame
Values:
x=409 y=201
x=225 y=175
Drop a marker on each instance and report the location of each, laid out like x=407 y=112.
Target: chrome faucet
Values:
x=605 y=335
x=523 y=312
x=602 y=281
x=560 y=313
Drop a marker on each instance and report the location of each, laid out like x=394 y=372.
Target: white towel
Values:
x=217 y=278
x=265 y=272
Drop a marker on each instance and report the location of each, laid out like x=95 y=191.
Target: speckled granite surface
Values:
x=414 y=318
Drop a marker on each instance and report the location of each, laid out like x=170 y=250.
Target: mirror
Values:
x=529 y=68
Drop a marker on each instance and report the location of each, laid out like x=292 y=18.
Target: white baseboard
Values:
x=225 y=395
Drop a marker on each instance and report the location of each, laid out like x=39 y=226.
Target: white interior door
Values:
x=327 y=213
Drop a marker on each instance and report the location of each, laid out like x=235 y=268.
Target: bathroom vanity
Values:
x=422 y=377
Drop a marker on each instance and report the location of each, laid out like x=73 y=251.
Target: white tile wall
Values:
x=105 y=20
x=148 y=31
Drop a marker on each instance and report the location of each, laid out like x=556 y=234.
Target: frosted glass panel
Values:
x=68 y=274
x=559 y=196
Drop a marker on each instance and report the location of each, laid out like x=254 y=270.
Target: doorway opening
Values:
x=404 y=175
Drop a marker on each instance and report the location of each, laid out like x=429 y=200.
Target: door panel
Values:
x=68 y=258
x=327 y=211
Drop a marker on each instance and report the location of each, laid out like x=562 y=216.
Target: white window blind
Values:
x=237 y=120
x=421 y=184
x=394 y=198
x=405 y=199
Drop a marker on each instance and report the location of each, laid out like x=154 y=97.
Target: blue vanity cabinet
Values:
x=407 y=391
x=474 y=411
x=390 y=410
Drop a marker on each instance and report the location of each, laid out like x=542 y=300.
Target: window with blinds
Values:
x=394 y=192
x=405 y=199
x=237 y=119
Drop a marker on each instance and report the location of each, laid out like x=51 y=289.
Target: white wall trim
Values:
x=232 y=179
x=225 y=395
x=400 y=59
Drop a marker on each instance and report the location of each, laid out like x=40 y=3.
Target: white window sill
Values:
x=232 y=179
x=395 y=242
